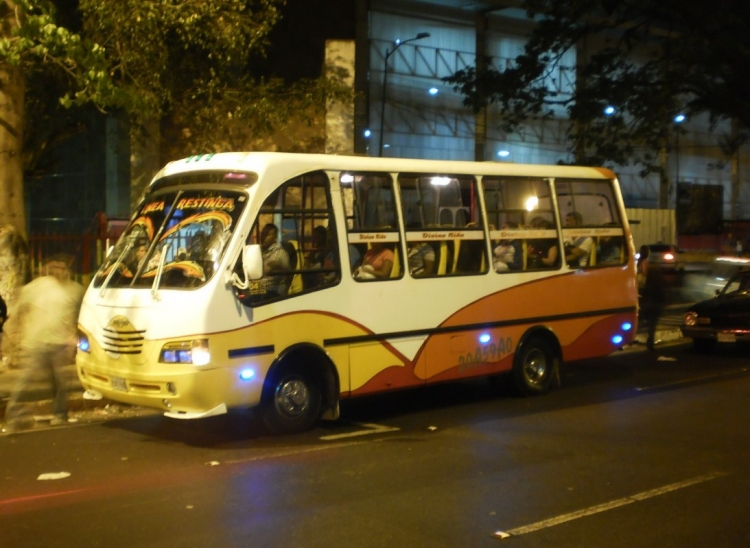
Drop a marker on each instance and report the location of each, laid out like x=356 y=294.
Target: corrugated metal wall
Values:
x=652 y=225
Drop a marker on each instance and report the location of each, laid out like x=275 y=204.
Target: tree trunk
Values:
x=13 y=248
x=11 y=136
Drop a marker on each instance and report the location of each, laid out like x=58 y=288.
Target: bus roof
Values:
x=286 y=165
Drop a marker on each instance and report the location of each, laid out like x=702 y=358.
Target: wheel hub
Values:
x=292 y=398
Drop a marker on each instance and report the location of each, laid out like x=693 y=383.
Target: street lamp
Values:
x=677 y=121
x=388 y=53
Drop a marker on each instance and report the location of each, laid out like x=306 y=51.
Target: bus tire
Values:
x=292 y=402
x=534 y=367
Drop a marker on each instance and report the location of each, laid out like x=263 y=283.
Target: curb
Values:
x=76 y=403
x=37 y=399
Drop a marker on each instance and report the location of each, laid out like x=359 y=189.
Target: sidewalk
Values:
x=39 y=395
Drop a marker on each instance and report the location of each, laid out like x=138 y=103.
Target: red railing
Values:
x=88 y=249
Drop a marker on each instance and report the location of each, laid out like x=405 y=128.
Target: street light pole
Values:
x=388 y=53
x=677 y=120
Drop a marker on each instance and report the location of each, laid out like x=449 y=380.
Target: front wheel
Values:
x=292 y=403
x=534 y=367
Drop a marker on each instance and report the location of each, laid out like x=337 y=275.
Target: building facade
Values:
x=406 y=110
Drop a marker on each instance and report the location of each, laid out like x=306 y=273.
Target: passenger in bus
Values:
x=376 y=264
x=421 y=257
x=320 y=256
x=139 y=255
x=542 y=252
x=275 y=259
x=508 y=254
x=577 y=249
x=355 y=257
x=610 y=250
x=198 y=247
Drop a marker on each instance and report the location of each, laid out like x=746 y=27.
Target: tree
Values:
x=187 y=68
x=33 y=44
x=649 y=59
x=184 y=68
x=182 y=72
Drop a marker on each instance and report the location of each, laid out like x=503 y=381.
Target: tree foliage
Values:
x=649 y=59
x=186 y=64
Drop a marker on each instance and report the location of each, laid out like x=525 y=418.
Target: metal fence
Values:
x=88 y=249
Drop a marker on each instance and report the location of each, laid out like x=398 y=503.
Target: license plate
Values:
x=118 y=383
x=726 y=337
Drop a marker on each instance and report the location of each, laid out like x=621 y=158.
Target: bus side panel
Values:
x=561 y=304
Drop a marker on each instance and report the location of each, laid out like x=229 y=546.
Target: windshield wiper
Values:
x=159 y=270
x=115 y=266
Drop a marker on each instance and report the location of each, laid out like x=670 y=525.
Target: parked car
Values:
x=723 y=319
x=667 y=256
x=708 y=283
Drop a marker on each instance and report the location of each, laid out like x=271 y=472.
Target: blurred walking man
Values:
x=47 y=311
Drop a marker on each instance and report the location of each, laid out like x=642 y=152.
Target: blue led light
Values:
x=169 y=356
x=484 y=338
x=627 y=326
x=617 y=339
x=83 y=344
x=247 y=374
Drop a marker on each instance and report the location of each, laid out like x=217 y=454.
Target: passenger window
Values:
x=522 y=224
x=593 y=234
x=444 y=226
x=297 y=234
x=374 y=242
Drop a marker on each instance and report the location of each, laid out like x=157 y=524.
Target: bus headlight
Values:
x=691 y=318
x=195 y=352
x=83 y=342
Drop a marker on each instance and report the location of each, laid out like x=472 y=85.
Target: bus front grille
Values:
x=123 y=342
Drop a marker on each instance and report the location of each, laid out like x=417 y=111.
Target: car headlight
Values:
x=691 y=318
x=195 y=352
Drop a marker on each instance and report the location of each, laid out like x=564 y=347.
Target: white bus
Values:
x=289 y=282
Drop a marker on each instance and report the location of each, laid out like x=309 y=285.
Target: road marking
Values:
x=690 y=380
x=291 y=452
x=371 y=429
x=606 y=506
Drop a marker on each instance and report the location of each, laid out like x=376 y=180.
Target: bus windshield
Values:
x=184 y=231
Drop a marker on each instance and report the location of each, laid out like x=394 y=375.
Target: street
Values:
x=644 y=449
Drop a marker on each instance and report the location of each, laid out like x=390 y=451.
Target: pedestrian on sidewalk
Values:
x=47 y=312
x=653 y=295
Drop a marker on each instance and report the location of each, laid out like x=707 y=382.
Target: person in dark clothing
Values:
x=653 y=296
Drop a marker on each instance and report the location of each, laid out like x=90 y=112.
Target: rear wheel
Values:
x=534 y=367
x=292 y=401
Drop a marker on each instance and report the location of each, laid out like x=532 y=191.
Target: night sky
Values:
x=299 y=39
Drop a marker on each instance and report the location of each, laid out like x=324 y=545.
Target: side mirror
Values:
x=252 y=262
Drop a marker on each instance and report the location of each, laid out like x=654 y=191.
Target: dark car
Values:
x=723 y=319
x=704 y=285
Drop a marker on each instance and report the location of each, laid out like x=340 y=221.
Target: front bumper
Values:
x=720 y=335
x=178 y=391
